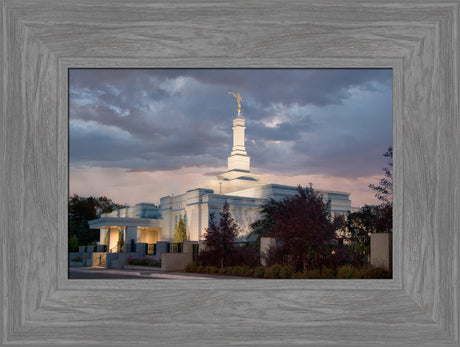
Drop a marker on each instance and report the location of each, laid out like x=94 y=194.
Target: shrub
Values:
x=248 y=271
x=360 y=273
x=300 y=275
x=226 y=270
x=377 y=272
x=237 y=271
x=343 y=256
x=191 y=268
x=210 y=269
x=313 y=273
x=327 y=273
x=286 y=271
x=147 y=261
x=371 y=272
x=346 y=271
x=273 y=271
x=259 y=271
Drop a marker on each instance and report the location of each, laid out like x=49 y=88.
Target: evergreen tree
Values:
x=181 y=234
x=220 y=238
x=73 y=244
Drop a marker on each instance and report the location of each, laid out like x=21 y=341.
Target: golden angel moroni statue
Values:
x=238 y=100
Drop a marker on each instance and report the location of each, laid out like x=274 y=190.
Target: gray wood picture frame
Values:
x=41 y=39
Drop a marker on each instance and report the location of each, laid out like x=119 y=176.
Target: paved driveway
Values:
x=102 y=273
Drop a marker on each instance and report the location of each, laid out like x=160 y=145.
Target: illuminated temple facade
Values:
x=244 y=192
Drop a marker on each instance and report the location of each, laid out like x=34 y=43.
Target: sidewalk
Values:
x=147 y=272
x=136 y=273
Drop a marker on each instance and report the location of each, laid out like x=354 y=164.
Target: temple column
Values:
x=130 y=234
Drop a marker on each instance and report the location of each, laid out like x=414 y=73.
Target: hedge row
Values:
x=287 y=272
x=144 y=262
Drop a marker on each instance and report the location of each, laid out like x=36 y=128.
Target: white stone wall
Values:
x=244 y=205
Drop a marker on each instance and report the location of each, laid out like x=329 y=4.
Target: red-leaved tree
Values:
x=303 y=228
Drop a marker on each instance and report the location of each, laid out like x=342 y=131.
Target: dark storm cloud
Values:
x=315 y=86
x=318 y=121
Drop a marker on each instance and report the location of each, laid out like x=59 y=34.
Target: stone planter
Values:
x=381 y=252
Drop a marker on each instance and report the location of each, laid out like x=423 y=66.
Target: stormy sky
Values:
x=138 y=134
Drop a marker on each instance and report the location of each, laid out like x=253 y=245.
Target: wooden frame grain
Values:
x=41 y=39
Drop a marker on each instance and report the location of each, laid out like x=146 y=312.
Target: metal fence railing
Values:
x=103 y=259
x=244 y=244
x=175 y=248
x=151 y=249
x=196 y=249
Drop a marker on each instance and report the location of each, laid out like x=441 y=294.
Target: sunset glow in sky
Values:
x=136 y=135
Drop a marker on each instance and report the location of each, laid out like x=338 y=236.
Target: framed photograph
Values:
x=170 y=171
x=43 y=39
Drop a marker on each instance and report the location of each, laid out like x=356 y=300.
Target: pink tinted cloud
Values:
x=123 y=186
x=129 y=187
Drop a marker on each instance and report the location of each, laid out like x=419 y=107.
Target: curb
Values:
x=138 y=274
x=143 y=268
x=114 y=272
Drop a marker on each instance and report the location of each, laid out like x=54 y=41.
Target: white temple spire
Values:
x=239 y=159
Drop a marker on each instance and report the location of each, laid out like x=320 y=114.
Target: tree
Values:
x=304 y=229
x=384 y=211
x=266 y=225
x=383 y=222
x=358 y=225
x=181 y=234
x=372 y=219
x=302 y=226
x=84 y=209
x=220 y=238
x=385 y=187
x=73 y=243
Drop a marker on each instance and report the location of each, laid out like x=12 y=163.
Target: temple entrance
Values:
x=148 y=235
x=116 y=239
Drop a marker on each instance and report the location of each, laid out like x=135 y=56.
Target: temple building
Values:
x=245 y=192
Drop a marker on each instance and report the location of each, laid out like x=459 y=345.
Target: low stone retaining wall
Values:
x=175 y=261
x=76 y=264
x=73 y=255
x=381 y=253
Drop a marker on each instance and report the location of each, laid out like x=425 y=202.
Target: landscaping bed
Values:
x=288 y=272
x=146 y=262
